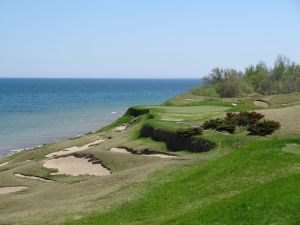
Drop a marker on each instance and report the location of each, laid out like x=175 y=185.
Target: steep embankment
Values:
x=184 y=139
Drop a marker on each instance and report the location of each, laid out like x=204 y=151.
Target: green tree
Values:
x=284 y=77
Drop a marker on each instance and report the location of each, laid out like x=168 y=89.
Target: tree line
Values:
x=282 y=78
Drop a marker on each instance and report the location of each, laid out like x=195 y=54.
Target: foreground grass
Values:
x=258 y=184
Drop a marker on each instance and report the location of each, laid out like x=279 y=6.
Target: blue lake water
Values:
x=37 y=111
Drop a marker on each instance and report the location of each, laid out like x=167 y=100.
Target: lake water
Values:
x=37 y=111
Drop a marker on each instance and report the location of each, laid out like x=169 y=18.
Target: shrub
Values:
x=227 y=126
x=190 y=132
x=212 y=124
x=233 y=117
x=264 y=128
x=249 y=118
x=244 y=118
x=220 y=125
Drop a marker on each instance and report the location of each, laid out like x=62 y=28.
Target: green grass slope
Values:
x=257 y=184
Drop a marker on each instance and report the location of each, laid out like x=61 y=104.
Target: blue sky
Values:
x=143 y=39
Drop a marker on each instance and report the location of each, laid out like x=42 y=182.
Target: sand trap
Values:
x=73 y=166
x=7 y=190
x=32 y=177
x=164 y=156
x=121 y=128
x=3 y=164
x=193 y=100
x=261 y=103
x=124 y=150
x=120 y=150
x=73 y=149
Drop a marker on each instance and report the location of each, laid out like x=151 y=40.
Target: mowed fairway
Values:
x=191 y=114
x=243 y=180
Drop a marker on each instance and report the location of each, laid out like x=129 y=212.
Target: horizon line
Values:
x=116 y=78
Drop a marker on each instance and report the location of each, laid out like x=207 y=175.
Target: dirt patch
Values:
x=261 y=103
x=77 y=164
x=145 y=152
x=7 y=190
x=32 y=177
x=74 y=149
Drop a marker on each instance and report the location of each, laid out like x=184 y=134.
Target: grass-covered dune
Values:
x=239 y=179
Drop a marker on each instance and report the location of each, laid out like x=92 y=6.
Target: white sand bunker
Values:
x=193 y=100
x=3 y=164
x=70 y=165
x=261 y=103
x=7 y=190
x=120 y=150
x=73 y=149
x=163 y=156
x=121 y=128
x=158 y=155
x=32 y=177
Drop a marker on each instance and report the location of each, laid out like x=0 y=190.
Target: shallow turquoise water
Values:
x=36 y=111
